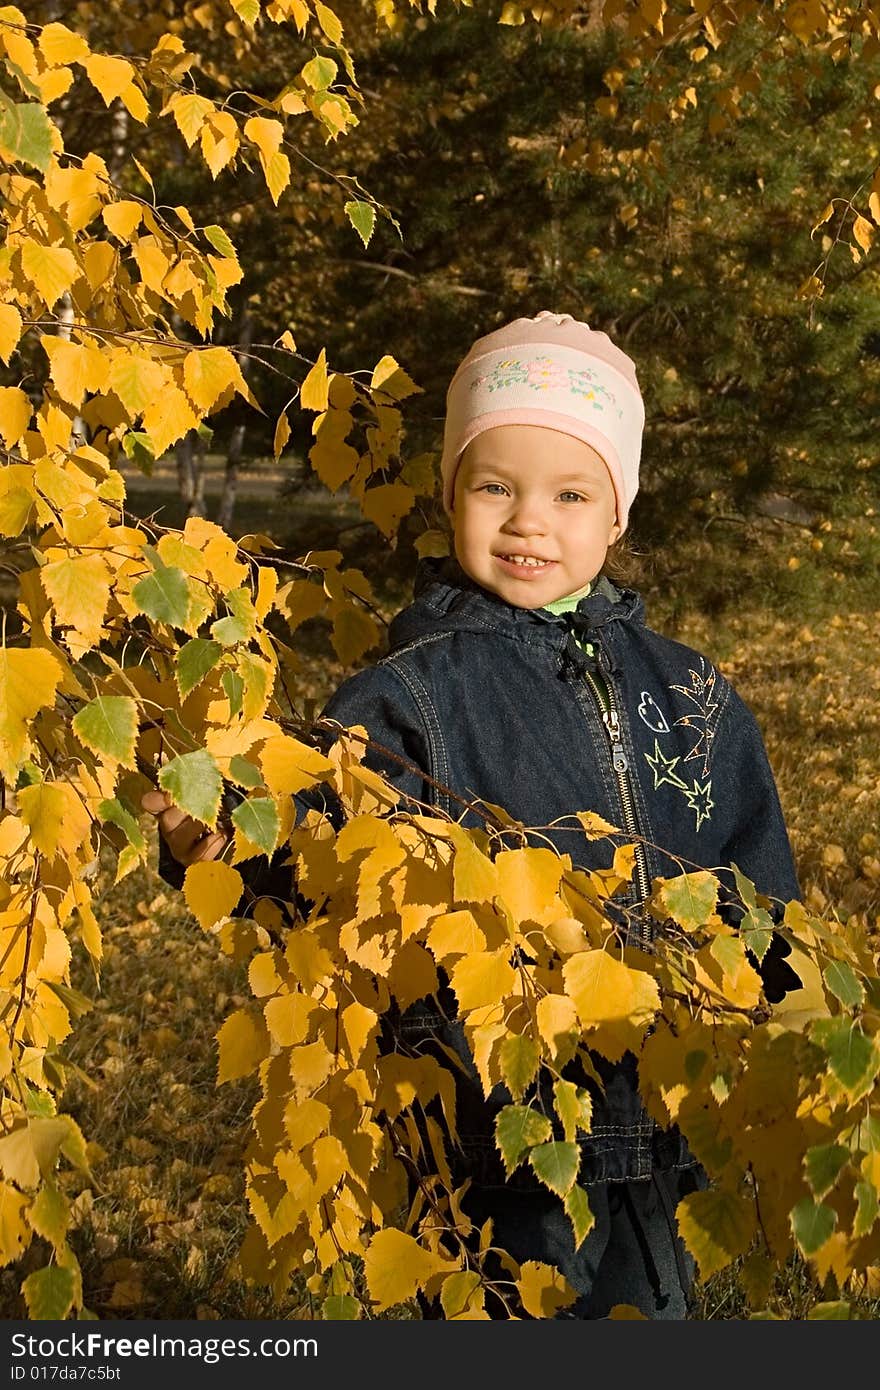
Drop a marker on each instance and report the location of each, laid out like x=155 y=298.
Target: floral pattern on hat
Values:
x=546 y=374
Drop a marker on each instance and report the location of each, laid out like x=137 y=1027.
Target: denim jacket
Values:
x=502 y=704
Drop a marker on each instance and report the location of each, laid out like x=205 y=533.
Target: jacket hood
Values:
x=447 y=600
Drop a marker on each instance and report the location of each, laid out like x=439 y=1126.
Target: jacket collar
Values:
x=446 y=599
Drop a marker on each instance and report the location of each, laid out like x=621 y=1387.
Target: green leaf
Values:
x=108 y=725
x=844 y=984
x=689 y=899
x=50 y=1214
x=756 y=930
x=26 y=132
x=194 y=784
x=556 y=1164
x=48 y=1293
x=362 y=217
x=866 y=1196
x=744 y=887
x=517 y=1129
x=340 y=1307
x=519 y=1062
x=163 y=596
x=457 y=1291
x=119 y=814
x=245 y=773
x=573 y=1106
x=257 y=820
x=220 y=241
x=234 y=687
x=577 y=1209
x=138 y=446
x=812 y=1223
x=823 y=1164
x=319 y=73
x=229 y=630
x=852 y=1058
x=194 y=660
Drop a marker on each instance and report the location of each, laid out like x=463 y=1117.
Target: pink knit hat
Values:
x=552 y=371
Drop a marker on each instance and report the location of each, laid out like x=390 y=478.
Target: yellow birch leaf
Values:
x=243 y=1042
x=314 y=390
x=52 y=269
x=137 y=380
x=543 y=1289
x=392 y=379
x=528 y=881
x=358 y=1022
x=387 y=505
x=874 y=206
x=267 y=589
x=17 y=498
x=190 y=111
x=557 y=1020
x=219 y=139
x=79 y=591
x=863 y=231
x=207 y=373
x=266 y=134
x=135 y=102
x=276 y=171
x=15 y=1231
x=59 y=45
x=212 y=891
x=29 y=678
x=110 y=76
x=475 y=877
x=100 y=259
x=456 y=934
x=396 y=1266
x=74 y=368
x=354 y=633
x=716 y=1227
x=10 y=330
x=485 y=979
x=15 y=414
x=282 y=434
x=289 y=766
x=168 y=418
x=153 y=261
x=55 y=816
x=18 y=1161
x=122 y=218
x=329 y=22
x=605 y=990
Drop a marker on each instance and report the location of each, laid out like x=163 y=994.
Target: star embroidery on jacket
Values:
x=663 y=768
x=699 y=798
x=701 y=692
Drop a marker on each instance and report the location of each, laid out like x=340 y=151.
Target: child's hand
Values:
x=188 y=840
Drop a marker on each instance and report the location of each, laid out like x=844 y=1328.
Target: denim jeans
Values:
x=632 y=1255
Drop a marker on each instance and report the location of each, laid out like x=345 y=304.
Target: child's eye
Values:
x=494 y=489
x=572 y=497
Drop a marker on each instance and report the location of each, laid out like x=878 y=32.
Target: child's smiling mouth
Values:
x=525 y=564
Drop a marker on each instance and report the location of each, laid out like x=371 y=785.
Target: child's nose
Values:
x=526 y=517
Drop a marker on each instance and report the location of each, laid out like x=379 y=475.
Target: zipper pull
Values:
x=618 y=756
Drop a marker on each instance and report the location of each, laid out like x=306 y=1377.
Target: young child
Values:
x=522 y=676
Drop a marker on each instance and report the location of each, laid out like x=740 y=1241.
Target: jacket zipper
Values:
x=604 y=695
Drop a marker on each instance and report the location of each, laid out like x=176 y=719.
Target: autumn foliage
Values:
x=139 y=656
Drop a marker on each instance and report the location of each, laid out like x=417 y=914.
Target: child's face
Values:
x=534 y=513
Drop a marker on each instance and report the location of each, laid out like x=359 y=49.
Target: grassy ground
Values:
x=790 y=615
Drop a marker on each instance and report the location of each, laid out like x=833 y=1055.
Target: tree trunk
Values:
x=234 y=451
x=190 y=454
